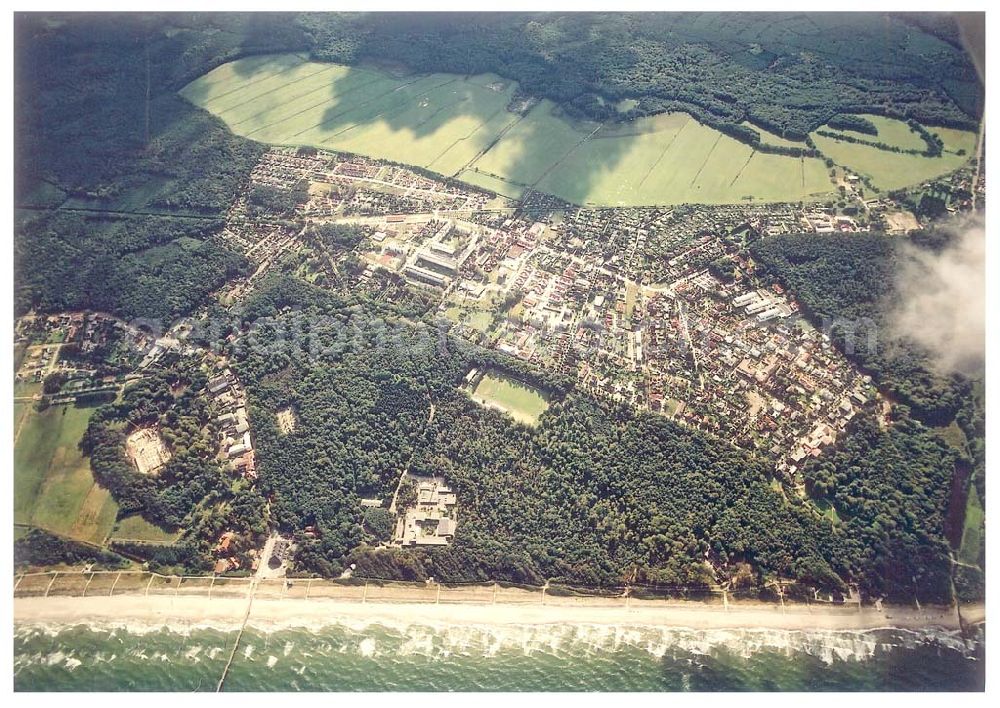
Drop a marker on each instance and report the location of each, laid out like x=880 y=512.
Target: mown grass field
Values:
x=53 y=485
x=891 y=170
x=972 y=535
x=136 y=528
x=475 y=318
x=459 y=126
x=524 y=403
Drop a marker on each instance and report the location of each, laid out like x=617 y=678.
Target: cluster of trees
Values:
x=165 y=558
x=40 y=548
x=191 y=491
x=98 y=122
x=171 y=401
x=932 y=141
x=892 y=490
x=270 y=202
x=135 y=266
x=850 y=122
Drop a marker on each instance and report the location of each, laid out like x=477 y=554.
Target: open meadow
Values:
x=895 y=170
x=522 y=402
x=136 y=528
x=53 y=485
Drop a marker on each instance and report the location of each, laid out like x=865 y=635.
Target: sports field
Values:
x=459 y=126
x=892 y=170
x=53 y=486
x=522 y=402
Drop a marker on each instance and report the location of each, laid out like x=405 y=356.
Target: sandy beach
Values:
x=194 y=610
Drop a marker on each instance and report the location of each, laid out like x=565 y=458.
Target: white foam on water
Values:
x=54 y=658
x=441 y=640
x=367 y=647
x=271 y=661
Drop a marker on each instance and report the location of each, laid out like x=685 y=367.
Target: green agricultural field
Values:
x=522 y=402
x=459 y=126
x=530 y=149
x=53 y=486
x=891 y=170
x=136 y=528
x=669 y=159
x=437 y=121
x=493 y=184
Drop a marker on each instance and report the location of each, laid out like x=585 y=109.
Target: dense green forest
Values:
x=891 y=487
x=595 y=495
x=99 y=127
x=135 y=266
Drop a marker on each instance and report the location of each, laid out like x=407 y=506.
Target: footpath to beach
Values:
x=149 y=599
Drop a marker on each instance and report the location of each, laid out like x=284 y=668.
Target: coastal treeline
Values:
x=37 y=547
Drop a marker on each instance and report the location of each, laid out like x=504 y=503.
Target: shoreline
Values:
x=191 y=610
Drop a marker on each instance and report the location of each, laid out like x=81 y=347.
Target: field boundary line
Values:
x=266 y=78
x=496 y=141
x=738 y=174
x=707 y=157
x=311 y=106
x=251 y=83
x=399 y=87
x=662 y=155
x=462 y=140
x=385 y=115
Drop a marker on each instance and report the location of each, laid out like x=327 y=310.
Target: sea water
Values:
x=356 y=656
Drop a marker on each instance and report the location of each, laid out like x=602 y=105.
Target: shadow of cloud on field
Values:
x=532 y=145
